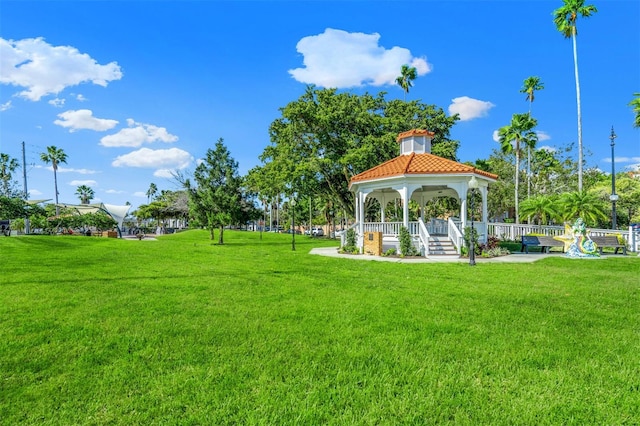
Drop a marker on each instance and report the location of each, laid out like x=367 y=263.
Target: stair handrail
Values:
x=424 y=236
x=455 y=235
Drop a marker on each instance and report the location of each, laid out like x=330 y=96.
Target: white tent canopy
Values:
x=118 y=213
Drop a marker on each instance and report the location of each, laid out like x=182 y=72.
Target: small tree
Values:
x=216 y=195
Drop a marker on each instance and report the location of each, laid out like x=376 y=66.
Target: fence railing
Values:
x=513 y=232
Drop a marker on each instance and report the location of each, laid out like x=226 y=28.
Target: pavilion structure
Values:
x=418 y=175
x=118 y=213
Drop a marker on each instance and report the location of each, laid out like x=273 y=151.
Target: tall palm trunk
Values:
x=529 y=163
x=517 y=181
x=55 y=185
x=575 y=66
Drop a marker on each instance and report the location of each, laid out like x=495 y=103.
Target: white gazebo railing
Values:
x=423 y=232
x=454 y=233
x=513 y=232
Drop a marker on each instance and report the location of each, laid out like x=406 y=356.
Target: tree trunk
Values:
x=575 y=66
x=220 y=235
x=517 y=182
x=55 y=184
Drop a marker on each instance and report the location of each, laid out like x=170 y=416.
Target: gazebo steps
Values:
x=442 y=246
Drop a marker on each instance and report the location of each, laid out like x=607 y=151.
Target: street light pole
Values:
x=614 y=196
x=473 y=184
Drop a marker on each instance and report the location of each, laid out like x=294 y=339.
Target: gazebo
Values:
x=418 y=175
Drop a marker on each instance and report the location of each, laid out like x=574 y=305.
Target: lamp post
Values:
x=473 y=185
x=614 y=196
x=293 y=223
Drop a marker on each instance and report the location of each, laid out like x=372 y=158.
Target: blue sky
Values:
x=132 y=90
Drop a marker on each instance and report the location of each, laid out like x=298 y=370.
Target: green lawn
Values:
x=181 y=331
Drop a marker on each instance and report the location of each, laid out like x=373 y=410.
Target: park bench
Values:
x=544 y=242
x=610 y=241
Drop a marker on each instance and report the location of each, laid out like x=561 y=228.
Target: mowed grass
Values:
x=181 y=331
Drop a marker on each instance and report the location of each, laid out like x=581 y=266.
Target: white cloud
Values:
x=469 y=108
x=5 y=106
x=84 y=119
x=622 y=159
x=496 y=136
x=81 y=98
x=140 y=194
x=340 y=59
x=137 y=134
x=57 y=102
x=633 y=167
x=173 y=158
x=83 y=182
x=44 y=69
x=113 y=191
x=34 y=192
x=542 y=136
x=164 y=173
x=69 y=170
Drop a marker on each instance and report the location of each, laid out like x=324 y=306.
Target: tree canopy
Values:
x=215 y=195
x=325 y=138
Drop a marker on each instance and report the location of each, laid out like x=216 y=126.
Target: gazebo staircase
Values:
x=442 y=246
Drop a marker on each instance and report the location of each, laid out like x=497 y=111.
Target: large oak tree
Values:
x=326 y=137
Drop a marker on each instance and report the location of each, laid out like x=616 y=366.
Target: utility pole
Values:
x=26 y=193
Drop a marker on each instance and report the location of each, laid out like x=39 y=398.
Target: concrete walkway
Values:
x=512 y=258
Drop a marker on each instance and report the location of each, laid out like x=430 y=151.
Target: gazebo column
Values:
x=361 y=197
x=463 y=211
x=383 y=203
x=485 y=210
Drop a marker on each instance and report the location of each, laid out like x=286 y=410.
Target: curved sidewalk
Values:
x=511 y=258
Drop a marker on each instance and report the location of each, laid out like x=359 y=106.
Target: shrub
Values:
x=391 y=252
x=406 y=243
x=350 y=246
x=467 y=239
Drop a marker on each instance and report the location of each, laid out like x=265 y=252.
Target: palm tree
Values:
x=153 y=189
x=636 y=109
x=530 y=85
x=85 y=194
x=520 y=130
x=566 y=20
x=585 y=205
x=8 y=165
x=541 y=207
x=54 y=156
x=407 y=75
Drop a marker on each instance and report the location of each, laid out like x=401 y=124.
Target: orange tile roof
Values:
x=414 y=132
x=418 y=164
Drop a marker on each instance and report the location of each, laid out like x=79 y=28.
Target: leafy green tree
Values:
x=151 y=192
x=582 y=204
x=55 y=156
x=635 y=104
x=628 y=190
x=519 y=131
x=530 y=86
x=405 y=80
x=325 y=138
x=85 y=194
x=216 y=193
x=12 y=207
x=566 y=20
x=8 y=166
